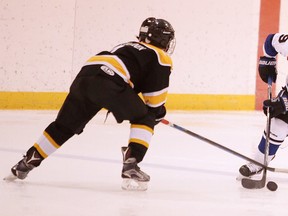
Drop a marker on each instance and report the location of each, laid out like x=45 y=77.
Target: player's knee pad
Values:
x=133 y=115
x=146 y=120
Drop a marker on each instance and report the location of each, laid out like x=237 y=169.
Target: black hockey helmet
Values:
x=159 y=33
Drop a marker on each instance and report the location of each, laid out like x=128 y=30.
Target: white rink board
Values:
x=215 y=54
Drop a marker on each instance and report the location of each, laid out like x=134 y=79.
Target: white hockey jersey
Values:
x=276 y=43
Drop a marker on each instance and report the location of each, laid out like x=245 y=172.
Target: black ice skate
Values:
x=250 y=169
x=133 y=177
x=24 y=166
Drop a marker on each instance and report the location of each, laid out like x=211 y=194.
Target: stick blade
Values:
x=253 y=184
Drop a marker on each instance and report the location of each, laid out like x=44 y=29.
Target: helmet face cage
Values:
x=158 y=32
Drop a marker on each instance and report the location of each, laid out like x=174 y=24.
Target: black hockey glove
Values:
x=277 y=106
x=267 y=68
x=161 y=114
x=158 y=112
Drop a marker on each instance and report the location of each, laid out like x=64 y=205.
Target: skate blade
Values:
x=133 y=185
x=10 y=178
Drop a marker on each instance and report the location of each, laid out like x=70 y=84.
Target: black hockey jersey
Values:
x=144 y=67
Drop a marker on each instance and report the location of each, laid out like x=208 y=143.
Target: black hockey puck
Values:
x=272 y=186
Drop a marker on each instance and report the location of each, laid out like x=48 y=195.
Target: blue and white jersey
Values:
x=276 y=43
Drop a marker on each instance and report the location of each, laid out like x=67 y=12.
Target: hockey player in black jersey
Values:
x=113 y=80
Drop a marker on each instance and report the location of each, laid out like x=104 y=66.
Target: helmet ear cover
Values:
x=144 y=29
x=157 y=32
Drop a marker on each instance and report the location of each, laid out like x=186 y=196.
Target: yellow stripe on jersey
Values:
x=163 y=58
x=155 y=99
x=46 y=145
x=140 y=134
x=114 y=63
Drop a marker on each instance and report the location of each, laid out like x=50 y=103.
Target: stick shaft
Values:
x=202 y=138
x=252 y=183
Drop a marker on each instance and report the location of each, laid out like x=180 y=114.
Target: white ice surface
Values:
x=188 y=176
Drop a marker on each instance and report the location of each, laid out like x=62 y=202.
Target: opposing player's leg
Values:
x=279 y=131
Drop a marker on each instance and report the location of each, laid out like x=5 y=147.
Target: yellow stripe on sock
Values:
x=51 y=140
x=141 y=142
x=42 y=153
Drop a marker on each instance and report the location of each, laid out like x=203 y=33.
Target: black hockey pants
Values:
x=91 y=91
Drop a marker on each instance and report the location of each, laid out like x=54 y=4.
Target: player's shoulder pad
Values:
x=163 y=58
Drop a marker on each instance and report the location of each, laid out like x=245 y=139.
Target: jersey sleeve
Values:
x=155 y=88
x=276 y=43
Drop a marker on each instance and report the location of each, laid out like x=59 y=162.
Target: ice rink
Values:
x=188 y=176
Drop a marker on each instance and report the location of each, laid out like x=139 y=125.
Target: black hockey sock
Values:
x=33 y=157
x=138 y=151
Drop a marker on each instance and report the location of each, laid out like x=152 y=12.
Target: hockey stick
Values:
x=257 y=184
x=166 y=122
